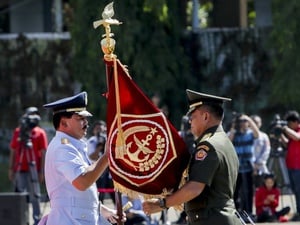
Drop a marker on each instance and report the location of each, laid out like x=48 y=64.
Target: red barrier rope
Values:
x=106 y=190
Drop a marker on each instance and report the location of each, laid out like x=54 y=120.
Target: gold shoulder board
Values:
x=65 y=141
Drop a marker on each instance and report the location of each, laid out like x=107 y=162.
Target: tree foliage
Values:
x=32 y=72
x=163 y=56
x=149 y=41
x=87 y=64
x=285 y=34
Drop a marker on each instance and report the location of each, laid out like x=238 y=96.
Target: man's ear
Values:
x=206 y=116
x=64 y=123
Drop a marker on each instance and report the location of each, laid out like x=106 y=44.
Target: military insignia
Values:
x=65 y=141
x=201 y=155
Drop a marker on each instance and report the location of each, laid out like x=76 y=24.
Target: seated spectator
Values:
x=267 y=200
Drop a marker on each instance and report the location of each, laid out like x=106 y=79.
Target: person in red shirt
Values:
x=267 y=200
x=292 y=132
x=27 y=154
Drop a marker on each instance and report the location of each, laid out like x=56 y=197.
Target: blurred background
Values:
x=243 y=49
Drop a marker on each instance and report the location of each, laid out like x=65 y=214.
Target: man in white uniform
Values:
x=69 y=174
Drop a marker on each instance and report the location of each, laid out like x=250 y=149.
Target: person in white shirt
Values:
x=262 y=149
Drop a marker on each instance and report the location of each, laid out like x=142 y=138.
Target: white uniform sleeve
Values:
x=70 y=163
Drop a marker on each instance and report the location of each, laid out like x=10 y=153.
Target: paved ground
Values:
x=286 y=200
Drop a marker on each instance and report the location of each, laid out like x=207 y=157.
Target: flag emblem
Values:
x=147 y=148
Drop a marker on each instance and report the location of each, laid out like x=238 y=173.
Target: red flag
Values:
x=146 y=153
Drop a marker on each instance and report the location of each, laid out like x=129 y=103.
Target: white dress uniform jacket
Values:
x=66 y=159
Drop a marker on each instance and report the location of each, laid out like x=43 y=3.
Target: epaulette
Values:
x=65 y=141
x=206 y=136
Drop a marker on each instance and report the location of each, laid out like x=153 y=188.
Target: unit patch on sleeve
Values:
x=202 y=152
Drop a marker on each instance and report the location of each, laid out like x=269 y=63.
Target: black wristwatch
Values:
x=162 y=203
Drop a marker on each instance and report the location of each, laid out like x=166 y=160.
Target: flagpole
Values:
x=108 y=46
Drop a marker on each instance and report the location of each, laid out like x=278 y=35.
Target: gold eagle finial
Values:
x=107 y=15
x=108 y=11
x=108 y=43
